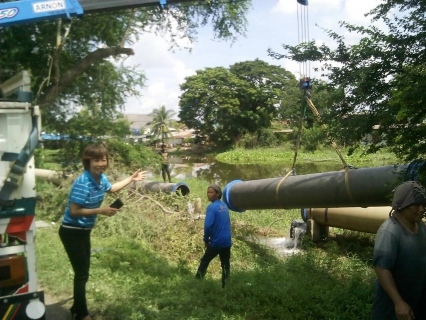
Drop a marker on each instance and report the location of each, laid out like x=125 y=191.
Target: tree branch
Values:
x=78 y=69
x=127 y=31
x=54 y=60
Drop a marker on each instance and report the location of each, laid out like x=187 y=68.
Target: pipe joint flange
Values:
x=226 y=196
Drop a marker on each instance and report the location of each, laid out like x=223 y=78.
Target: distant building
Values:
x=138 y=123
x=141 y=130
x=179 y=137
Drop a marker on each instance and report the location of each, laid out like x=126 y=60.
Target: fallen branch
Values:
x=155 y=201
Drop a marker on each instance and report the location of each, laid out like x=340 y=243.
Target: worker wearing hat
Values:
x=400 y=257
x=217 y=234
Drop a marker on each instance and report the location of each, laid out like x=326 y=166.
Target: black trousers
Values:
x=165 y=169
x=77 y=245
x=209 y=255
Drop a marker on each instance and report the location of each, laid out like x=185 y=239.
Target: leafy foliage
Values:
x=312 y=138
x=97 y=123
x=130 y=156
x=263 y=138
x=380 y=80
x=160 y=123
x=225 y=104
x=77 y=63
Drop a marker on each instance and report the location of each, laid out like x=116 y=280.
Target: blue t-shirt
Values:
x=86 y=192
x=217 y=226
x=403 y=253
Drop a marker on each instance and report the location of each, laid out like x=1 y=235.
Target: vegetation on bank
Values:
x=286 y=155
x=144 y=261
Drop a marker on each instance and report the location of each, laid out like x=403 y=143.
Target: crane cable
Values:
x=304 y=69
x=305 y=83
x=303 y=33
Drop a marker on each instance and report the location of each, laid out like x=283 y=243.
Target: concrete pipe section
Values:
x=48 y=175
x=154 y=186
x=362 y=187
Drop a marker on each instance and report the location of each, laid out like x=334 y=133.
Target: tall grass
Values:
x=286 y=155
x=144 y=261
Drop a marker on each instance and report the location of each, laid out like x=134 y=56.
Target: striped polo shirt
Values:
x=86 y=192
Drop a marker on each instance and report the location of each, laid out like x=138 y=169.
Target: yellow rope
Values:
x=345 y=165
x=278 y=187
x=348 y=189
x=334 y=145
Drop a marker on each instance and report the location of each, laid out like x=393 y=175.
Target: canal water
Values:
x=209 y=169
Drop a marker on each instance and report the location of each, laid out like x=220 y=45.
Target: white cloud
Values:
x=355 y=10
x=181 y=71
x=271 y=23
x=285 y=6
x=164 y=73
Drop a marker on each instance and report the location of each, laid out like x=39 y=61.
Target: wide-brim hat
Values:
x=408 y=193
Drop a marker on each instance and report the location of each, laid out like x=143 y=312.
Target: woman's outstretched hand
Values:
x=139 y=175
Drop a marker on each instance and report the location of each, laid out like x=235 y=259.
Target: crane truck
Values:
x=20 y=297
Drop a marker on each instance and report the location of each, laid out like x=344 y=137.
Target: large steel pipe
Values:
x=363 y=187
x=357 y=219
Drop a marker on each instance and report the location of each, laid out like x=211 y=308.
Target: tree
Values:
x=179 y=126
x=224 y=104
x=97 y=124
x=78 y=62
x=380 y=80
x=161 y=122
x=91 y=125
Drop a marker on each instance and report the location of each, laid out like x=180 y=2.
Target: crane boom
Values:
x=90 y=6
x=26 y=11
x=18 y=12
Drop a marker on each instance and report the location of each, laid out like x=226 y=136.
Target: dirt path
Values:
x=57 y=309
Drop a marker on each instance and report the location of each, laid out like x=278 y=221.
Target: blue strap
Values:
x=9 y=156
x=15 y=175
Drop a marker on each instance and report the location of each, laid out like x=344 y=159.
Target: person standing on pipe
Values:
x=165 y=168
x=400 y=257
x=217 y=234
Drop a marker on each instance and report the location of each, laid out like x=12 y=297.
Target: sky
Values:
x=271 y=23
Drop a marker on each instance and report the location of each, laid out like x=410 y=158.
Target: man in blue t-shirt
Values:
x=217 y=234
x=400 y=257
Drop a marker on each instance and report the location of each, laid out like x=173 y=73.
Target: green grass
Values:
x=145 y=262
x=285 y=155
x=48 y=159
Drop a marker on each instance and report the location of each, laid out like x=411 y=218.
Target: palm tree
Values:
x=160 y=122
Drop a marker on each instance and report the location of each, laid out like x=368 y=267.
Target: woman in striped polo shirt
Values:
x=84 y=204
